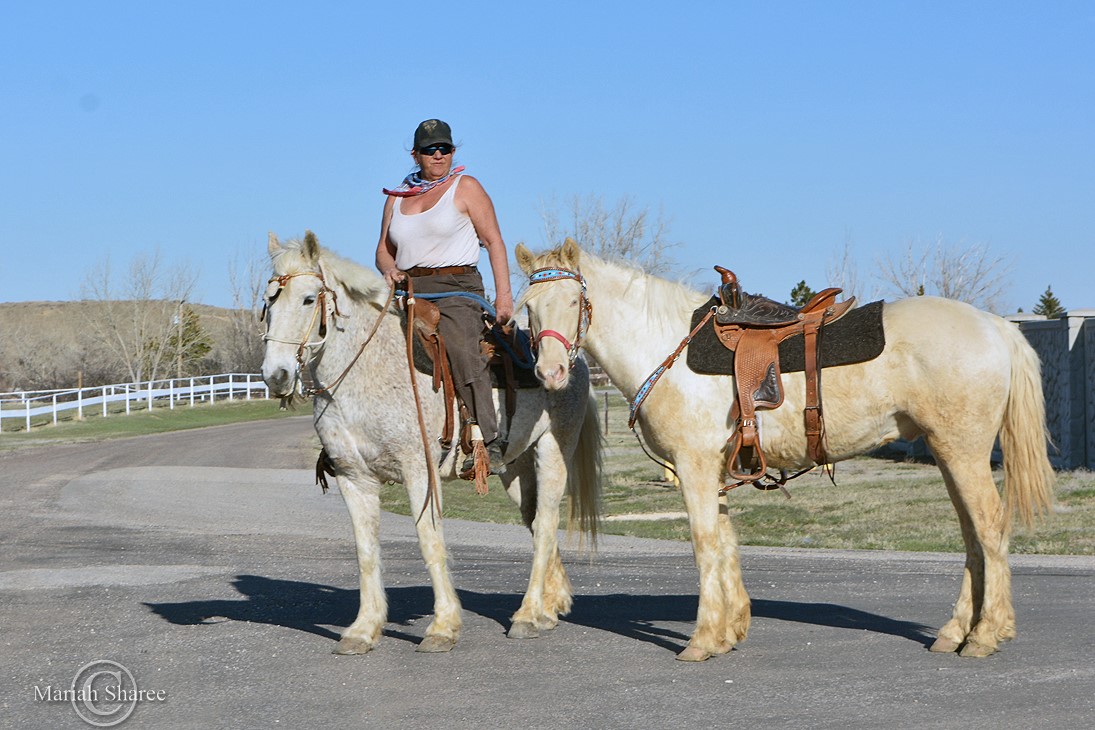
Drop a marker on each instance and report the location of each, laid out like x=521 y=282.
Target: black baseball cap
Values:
x=431 y=132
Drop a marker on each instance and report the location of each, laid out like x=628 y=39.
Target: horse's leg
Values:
x=983 y=614
x=738 y=606
x=712 y=634
x=519 y=480
x=363 y=504
x=550 y=475
x=443 y=631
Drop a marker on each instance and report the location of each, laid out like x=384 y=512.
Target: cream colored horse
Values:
x=320 y=309
x=949 y=372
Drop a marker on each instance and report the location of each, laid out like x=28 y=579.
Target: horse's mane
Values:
x=359 y=282
x=663 y=300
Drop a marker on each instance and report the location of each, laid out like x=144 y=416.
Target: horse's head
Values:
x=298 y=308
x=559 y=310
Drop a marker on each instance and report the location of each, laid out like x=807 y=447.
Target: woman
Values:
x=433 y=226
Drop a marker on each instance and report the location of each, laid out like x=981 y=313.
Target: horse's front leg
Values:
x=363 y=502
x=723 y=616
x=443 y=631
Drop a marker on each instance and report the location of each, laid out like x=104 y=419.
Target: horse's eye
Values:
x=309 y=300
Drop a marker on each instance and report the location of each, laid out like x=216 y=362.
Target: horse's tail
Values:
x=584 y=478
x=1028 y=475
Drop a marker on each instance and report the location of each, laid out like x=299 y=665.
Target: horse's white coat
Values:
x=369 y=427
x=949 y=372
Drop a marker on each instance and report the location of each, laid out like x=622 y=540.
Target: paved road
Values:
x=207 y=564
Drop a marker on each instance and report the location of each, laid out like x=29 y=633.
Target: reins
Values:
x=433 y=496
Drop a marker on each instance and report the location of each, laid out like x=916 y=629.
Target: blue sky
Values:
x=768 y=133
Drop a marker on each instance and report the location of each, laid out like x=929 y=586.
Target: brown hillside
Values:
x=49 y=344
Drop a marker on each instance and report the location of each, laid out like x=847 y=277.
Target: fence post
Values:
x=54 y=409
x=171 y=393
x=26 y=404
x=79 y=404
x=150 y=395
x=230 y=387
x=104 y=401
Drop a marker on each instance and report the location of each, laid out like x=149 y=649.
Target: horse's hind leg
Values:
x=983 y=614
x=364 y=507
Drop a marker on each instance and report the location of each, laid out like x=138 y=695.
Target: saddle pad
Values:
x=856 y=337
x=526 y=377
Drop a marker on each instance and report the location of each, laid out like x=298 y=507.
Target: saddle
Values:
x=502 y=346
x=752 y=327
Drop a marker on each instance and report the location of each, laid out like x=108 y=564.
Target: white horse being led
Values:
x=949 y=372
x=369 y=427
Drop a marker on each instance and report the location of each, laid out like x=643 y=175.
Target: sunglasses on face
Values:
x=444 y=149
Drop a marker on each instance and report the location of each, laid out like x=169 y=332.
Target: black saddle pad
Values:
x=856 y=337
x=525 y=376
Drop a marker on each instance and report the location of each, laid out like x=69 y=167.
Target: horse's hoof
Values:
x=436 y=644
x=944 y=646
x=974 y=649
x=523 y=630
x=352 y=645
x=693 y=654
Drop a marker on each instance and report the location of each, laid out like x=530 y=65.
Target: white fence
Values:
x=20 y=407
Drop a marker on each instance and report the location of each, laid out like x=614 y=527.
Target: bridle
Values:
x=585 y=310
x=321 y=313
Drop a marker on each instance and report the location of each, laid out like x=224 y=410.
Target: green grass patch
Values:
x=96 y=427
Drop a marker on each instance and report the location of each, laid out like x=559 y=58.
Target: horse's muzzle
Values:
x=279 y=381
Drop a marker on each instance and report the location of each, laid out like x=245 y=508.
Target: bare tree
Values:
x=242 y=348
x=842 y=272
x=140 y=320
x=622 y=231
x=967 y=273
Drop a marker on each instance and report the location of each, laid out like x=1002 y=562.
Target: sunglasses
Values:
x=444 y=149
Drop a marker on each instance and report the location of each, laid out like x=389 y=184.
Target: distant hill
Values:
x=49 y=344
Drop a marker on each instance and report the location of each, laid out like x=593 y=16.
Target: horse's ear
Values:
x=272 y=244
x=311 y=246
x=571 y=253
x=525 y=258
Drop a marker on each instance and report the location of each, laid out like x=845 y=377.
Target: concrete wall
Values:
x=1066 y=347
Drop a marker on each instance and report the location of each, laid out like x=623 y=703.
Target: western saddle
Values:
x=752 y=328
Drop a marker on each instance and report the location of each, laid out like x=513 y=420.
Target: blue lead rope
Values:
x=466 y=294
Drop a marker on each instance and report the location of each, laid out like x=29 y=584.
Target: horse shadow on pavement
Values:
x=313 y=607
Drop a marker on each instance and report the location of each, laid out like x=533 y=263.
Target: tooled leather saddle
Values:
x=508 y=354
x=752 y=327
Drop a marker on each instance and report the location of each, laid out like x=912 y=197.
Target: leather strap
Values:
x=439 y=270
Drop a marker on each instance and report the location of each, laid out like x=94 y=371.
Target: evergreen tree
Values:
x=1049 y=305
x=801 y=294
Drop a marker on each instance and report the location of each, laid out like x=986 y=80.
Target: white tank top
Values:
x=440 y=236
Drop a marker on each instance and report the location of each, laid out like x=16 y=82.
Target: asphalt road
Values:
x=208 y=565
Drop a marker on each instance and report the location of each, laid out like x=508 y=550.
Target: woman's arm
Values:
x=473 y=200
x=385 y=249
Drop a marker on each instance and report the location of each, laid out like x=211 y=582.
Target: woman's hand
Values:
x=503 y=308
x=393 y=276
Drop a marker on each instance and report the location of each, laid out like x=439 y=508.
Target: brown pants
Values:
x=462 y=327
